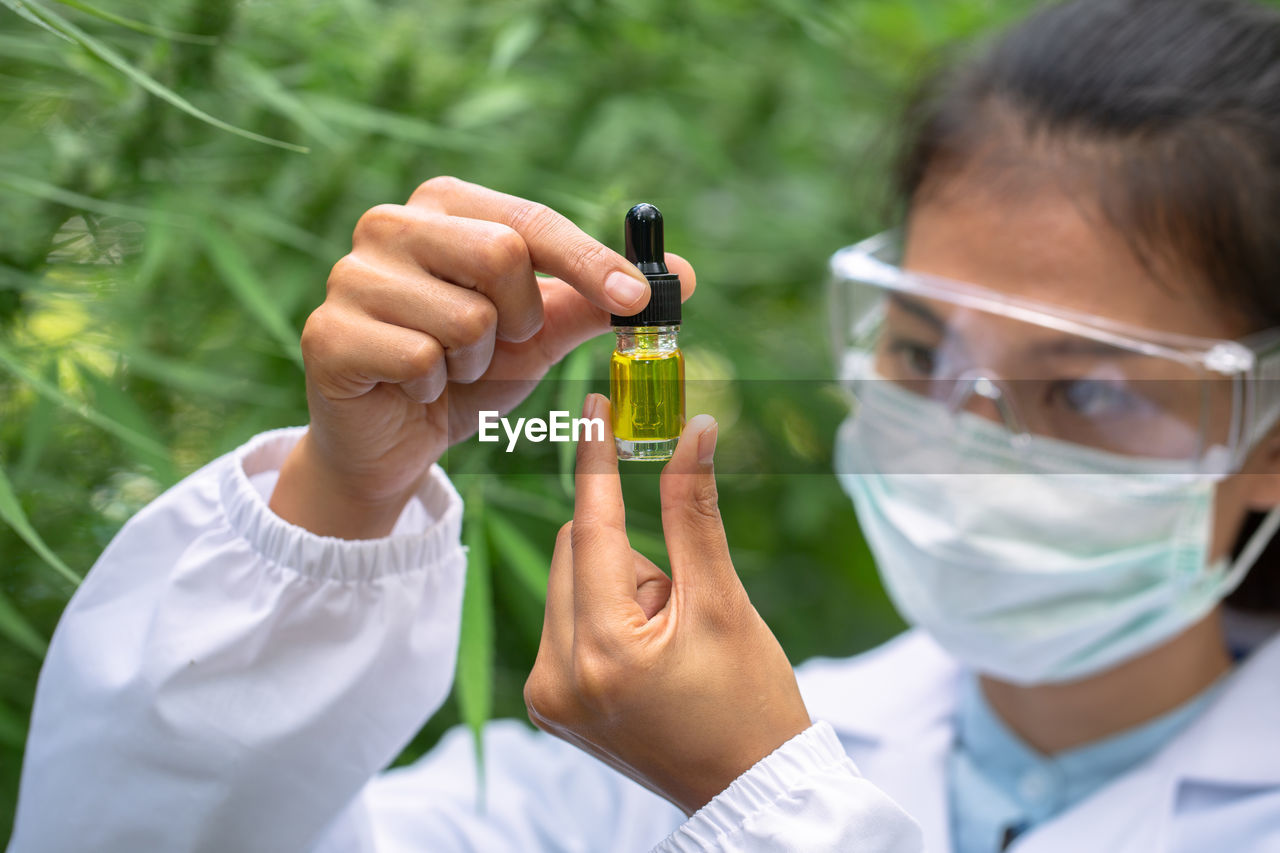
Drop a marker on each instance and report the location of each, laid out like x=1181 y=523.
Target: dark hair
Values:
x=1169 y=109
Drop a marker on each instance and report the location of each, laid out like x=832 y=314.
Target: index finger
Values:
x=555 y=244
x=603 y=569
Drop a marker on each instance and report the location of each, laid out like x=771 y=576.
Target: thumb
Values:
x=691 y=521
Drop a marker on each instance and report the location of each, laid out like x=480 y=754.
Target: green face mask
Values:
x=1023 y=574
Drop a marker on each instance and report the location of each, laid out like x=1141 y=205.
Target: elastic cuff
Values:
x=327 y=557
x=790 y=766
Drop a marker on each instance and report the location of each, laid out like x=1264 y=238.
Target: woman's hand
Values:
x=435 y=315
x=676 y=682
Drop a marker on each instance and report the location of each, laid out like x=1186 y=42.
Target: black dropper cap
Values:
x=643 y=229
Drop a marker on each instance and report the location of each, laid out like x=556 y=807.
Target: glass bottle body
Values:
x=646 y=387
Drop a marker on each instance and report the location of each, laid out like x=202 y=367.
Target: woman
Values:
x=1087 y=274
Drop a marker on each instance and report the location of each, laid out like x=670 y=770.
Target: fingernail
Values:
x=625 y=289
x=707 y=441
x=590 y=407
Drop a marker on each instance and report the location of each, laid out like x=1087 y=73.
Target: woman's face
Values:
x=1052 y=249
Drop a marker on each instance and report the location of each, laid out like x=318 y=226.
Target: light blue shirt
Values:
x=998 y=786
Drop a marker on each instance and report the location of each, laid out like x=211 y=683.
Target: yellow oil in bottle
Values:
x=646 y=383
x=646 y=373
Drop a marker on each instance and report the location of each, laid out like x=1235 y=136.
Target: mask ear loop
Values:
x=1252 y=550
x=1265 y=414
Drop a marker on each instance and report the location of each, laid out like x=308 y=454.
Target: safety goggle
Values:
x=1047 y=372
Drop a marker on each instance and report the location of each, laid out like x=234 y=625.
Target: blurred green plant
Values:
x=162 y=240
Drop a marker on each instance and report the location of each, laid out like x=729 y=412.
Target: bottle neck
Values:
x=646 y=339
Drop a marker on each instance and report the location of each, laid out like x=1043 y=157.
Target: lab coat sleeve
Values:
x=225 y=681
x=807 y=795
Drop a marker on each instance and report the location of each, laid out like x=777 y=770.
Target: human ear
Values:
x=1255 y=488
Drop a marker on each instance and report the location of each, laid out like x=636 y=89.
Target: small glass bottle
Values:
x=646 y=372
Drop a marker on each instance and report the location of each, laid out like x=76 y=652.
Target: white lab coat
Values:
x=226 y=682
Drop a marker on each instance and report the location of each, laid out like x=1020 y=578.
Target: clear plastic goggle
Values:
x=1044 y=371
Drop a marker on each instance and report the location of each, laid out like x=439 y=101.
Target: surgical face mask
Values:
x=1034 y=561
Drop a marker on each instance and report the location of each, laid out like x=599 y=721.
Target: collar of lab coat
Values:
x=906 y=686
x=906 y=691
x=894 y=709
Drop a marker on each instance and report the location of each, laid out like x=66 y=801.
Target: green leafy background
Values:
x=163 y=238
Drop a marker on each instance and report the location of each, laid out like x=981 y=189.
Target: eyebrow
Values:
x=1060 y=346
x=920 y=311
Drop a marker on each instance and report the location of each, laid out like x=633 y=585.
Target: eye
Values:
x=1095 y=398
x=914 y=357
